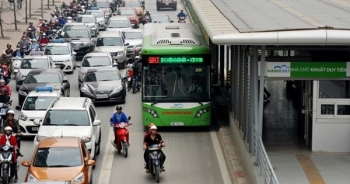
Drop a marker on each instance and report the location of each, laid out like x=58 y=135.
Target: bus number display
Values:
x=174 y=59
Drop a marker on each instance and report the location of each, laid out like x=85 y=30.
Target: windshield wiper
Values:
x=59 y=166
x=70 y=124
x=99 y=65
x=105 y=80
x=196 y=100
x=153 y=103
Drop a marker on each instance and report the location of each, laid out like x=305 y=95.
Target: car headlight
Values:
x=120 y=52
x=23 y=93
x=86 y=139
x=84 y=90
x=23 y=116
x=117 y=90
x=31 y=178
x=79 y=178
x=82 y=74
x=40 y=138
x=68 y=60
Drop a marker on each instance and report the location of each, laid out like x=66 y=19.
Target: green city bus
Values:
x=176 y=64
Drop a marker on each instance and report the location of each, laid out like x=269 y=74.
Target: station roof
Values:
x=275 y=22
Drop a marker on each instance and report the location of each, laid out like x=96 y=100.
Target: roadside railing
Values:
x=264 y=164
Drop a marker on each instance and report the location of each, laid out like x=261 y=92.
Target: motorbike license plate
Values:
x=15 y=70
x=35 y=129
x=100 y=96
x=177 y=123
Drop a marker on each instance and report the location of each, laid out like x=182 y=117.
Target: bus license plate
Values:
x=177 y=123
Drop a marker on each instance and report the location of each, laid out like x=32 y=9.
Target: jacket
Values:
x=62 y=22
x=4 y=99
x=15 y=126
x=24 y=43
x=13 y=142
x=7 y=89
x=21 y=53
x=44 y=40
x=181 y=15
x=115 y=120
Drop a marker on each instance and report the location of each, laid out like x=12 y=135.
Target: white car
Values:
x=34 y=107
x=63 y=55
x=90 y=21
x=69 y=25
x=134 y=38
x=72 y=117
x=100 y=18
x=119 y=23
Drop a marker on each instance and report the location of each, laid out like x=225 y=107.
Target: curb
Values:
x=232 y=159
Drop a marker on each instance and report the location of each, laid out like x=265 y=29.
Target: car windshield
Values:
x=127 y=12
x=96 y=61
x=109 y=41
x=76 y=33
x=37 y=78
x=57 y=50
x=97 y=14
x=132 y=4
x=102 y=4
x=37 y=103
x=176 y=83
x=58 y=157
x=119 y=24
x=161 y=19
x=66 y=26
x=101 y=76
x=34 y=63
x=86 y=19
x=66 y=118
x=132 y=35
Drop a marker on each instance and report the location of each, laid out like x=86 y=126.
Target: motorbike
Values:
x=182 y=20
x=3 y=110
x=122 y=134
x=154 y=160
x=16 y=63
x=135 y=84
x=42 y=46
x=6 y=73
x=7 y=167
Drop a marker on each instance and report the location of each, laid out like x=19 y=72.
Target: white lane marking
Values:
x=220 y=156
x=107 y=162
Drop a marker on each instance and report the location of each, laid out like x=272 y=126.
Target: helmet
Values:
x=8 y=128
x=29 y=29
x=10 y=112
x=8 y=45
x=118 y=107
x=54 y=30
x=153 y=127
x=150 y=125
x=44 y=34
x=40 y=18
x=2 y=81
x=137 y=57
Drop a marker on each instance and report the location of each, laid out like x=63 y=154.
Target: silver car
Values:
x=90 y=21
x=100 y=17
x=104 y=5
x=134 y=38
x=113 y=43
x=119 y=23
x=94 y=60
x=69 y=25
x=32 y=62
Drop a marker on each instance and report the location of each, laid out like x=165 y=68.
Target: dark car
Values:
x=166 y=4
x=161 y=18
x=81 y=38
x=104 y=84
x=54 y=78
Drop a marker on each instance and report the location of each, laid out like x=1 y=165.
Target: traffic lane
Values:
x=190 y=153
x=152 y=7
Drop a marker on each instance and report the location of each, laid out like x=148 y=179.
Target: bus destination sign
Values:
x=175 y=59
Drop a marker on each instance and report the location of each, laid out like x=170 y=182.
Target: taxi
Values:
x=60 y=159
x=34 y=107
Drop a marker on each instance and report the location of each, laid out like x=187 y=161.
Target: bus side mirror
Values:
x=214 y=79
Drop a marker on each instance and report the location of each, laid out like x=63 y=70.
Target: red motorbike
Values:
x=6 y=73
x=122 y=135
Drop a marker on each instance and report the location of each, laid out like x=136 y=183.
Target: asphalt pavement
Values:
x=193 y=155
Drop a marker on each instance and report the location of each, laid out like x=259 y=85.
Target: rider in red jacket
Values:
x=3 y=85
x=44 y=39
x=10 y=139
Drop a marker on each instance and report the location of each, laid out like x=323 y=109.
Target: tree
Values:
x=3 y=9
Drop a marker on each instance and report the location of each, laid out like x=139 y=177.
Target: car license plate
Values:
x=166 y=3
x=35 y=129
x=177 y=123
x=15 y=70
x=99 y=96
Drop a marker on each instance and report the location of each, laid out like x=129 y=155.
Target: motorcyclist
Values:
x=148 y=131
x=30 y=33
x=117 y=118
x=57 y=10
x=34 y=45
x=40 y=35
x=8 y=50
x=31 y=26
x=24 y=42
x=43 y=39
x=4 y=90
x=136 y=71
x=151 y=139
x=18 y=52
x=44 y=28
x=14 y=124
x=181 y=14
x=53 y=35
x=9 y=139
x=53 y=17
x=63 y=5
x=149 y=16
x=61 y=21
x=40 y=23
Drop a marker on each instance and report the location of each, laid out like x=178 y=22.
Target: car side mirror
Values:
x=126 y=44
x=37 y=122
x=74 y=53
x=171 y=21
x=97 y=122
x=90 y=162
x=115 y=64
x=129 y=118
x=78 y=66
x=18 y=108
x=25 y=163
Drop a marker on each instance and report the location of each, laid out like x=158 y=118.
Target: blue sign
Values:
x=43 y=88
x=94 y=8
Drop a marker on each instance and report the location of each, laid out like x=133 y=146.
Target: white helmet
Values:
x=2 y=80
x=11 y=112
x=153 y=127
x=8 y=128
x=137 y=57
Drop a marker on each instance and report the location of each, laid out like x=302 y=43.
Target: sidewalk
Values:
x=11 y=35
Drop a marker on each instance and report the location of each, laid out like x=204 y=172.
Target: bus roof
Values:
x=173 y=39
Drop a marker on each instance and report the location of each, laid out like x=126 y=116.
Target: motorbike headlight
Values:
x=40 y=138
x=23 y=116
x=79 y=178
x=31 y=178
x=23 y=93
x=117 y=90
x=86 y=139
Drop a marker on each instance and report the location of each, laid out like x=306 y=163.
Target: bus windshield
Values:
x=171 y=83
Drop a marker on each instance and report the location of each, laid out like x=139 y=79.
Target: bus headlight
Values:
x=200 y=112
x=151 y=111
